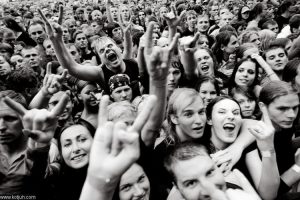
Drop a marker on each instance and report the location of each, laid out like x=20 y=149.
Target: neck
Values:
x=90 y=115
x=15 y=147
x=117 y=70
x=182 y=136
x=217 y=142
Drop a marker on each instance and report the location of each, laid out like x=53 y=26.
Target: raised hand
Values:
x=263 y=130
x=115 y=147
x=52 y=82
x=54 y=30
x=158 y=58
x=39 y=125
x=172 y=19
x=188 y=44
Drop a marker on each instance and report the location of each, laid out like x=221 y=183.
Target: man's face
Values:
x=277 y=59
x=191 y=173
x=203 y=24
x=283 y=110
x=110 y=54
x=49 y=48
x=31 y=56
x=125 y=13
x=10 y=125
x=96 y=15
x=214 y=11
x=274 y=28
x=123 y=93
x=37 y=33
x=225 y=19
x=74 y=52
x=66 y=35
x=191 y=21
x=114 y=12
x=80 y=41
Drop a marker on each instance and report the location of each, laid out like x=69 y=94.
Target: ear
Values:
x=209 y=122
x=222 y=47
x=79 y=97
x=174 y=119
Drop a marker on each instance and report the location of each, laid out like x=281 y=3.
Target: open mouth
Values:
x=112 y=57
x=205 y=68
x=229 y=127
x=78 y=157
x=198 y=128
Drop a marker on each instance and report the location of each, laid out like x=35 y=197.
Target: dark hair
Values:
x=250 y=95
x=211 y=105
x=275 y=89
x=256 y=11
x=242 y=48
x=222 y=39
x=110 y=27
x=294 y=22
x=18 y=97
x=12 y=24
x=232 y=82
x=205 y=79
x=280 y=42
x=290 y=71
x=268 y=22
x=272 y=47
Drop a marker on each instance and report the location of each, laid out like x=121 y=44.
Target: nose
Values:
x=291 y=113
x=138 y=191
x=75 y=148
x=230 y=115
x=247 y=104
x=123 y=94
x=2 y=125
x=198 y=119
x=171 y=77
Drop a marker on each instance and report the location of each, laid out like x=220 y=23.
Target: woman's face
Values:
x=190 y=119
x=203 y=42
x=134 y=184
x=207 y=92
x=76 y=143
x=4 y=66
x=205 y=63
x=232 y=45
x=245 y=74
x=226 y=121
x=203 y=24
x=87 y=97
x=247 y=105
x=241 y=28
x=173 y=78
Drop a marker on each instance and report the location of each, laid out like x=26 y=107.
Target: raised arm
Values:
x=266 y=67
x=88 y=73
x=126 y=28
x=158 y=63
x=115 y=148
x=51 y=85
x=108 y=11
x=264 y=172
x=187 y=48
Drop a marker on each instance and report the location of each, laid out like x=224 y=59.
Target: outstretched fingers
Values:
x=61 y=15
x=149 y=38
x=142 y=118
x=102 y=116
x=15 y=106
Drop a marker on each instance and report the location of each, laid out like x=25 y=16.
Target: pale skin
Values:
x=115 y=148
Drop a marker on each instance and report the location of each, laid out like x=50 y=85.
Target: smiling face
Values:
x=225 y=123
x=190 y=119
x=191 y=173
x=205 y=63
x=283 y=110
x=76 y=143
x=109 y=53
x=134 y=184
x=245 y=74
x=277 y=59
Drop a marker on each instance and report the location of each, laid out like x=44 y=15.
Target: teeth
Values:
x=77 y=158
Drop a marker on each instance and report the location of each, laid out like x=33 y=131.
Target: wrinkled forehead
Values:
x=6 y=110
x=103 y=42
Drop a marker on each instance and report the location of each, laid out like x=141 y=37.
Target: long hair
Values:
x=222 y=39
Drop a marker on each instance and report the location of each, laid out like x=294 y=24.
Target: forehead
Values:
x=80 y=35
x=96 y=12
x=275 y=51
x=201 y=53
x=6 y=111
x=190 y=104
x=192 y=168
x=16 y=57
x=36 y=27
x=73 y=132
x=29 y=51
x=47 y=42
x=88 y=88
x=248 y=64
x=226 y=104
x=125 y=87
x=132 y=174
x=207 y=85
x=57 y=96
x=290 y=100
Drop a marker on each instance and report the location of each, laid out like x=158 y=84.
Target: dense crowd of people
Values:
x=152 y=100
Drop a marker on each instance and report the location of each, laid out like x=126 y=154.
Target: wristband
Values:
x=296 y=168
x=268 y=153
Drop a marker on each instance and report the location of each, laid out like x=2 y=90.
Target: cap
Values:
x=245 y=9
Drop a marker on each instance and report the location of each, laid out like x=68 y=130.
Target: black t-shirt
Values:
x=132 y=70
x=282 y=22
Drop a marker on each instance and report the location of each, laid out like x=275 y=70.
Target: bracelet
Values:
x=296 y=168
x=268 y=153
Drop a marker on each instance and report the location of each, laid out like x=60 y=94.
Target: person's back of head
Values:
x=294 y=23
